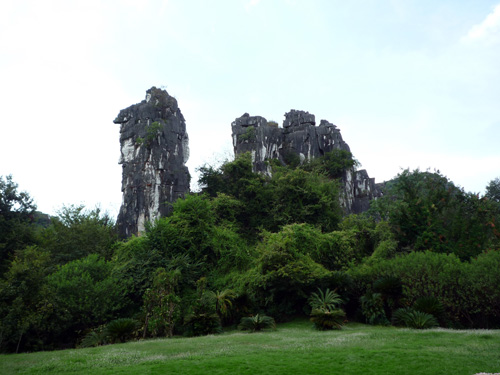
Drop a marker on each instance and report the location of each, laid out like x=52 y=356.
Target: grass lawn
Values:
x=295 y=348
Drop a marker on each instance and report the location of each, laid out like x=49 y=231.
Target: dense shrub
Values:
x=325 y=319
x=27 y=305
x=372 y=305
x=328 y=300
x=161 y=303
x=88 y=291
x=325 y=313
x=201 y=323
x=429 y=305
x=121 y=330
x=257 y=323
x=414 y=319
x=428 y=212
x=95 y=337
x=467 y=291
x=284 y=273
x=77 y=232
x=482 y=279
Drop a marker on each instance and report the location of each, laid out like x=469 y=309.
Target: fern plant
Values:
x=257 y=323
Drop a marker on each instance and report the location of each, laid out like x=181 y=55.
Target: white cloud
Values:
x=488 y=30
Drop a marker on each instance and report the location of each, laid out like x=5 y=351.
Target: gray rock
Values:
x=300 y=137
x=154 y=151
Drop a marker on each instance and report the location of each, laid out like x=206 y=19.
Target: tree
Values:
x=78 y=232
x=88 y=290
x=428 y=212
x=291 y=195
x=25 y=304
x=16 y=217
x=493 y=190
x=298 y=196
x=284 y=272
x=223 y=302
x=161 y=303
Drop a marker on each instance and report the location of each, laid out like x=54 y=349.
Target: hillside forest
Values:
x=249 y=246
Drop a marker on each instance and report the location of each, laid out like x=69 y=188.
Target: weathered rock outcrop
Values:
x=300 y=137
x=154 y=151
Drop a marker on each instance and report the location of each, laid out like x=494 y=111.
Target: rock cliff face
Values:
x=300 y=137
x=154 y=151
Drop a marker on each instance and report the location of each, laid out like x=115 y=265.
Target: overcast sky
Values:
x=411 y=84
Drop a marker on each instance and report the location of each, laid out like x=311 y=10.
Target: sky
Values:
x=410 y=84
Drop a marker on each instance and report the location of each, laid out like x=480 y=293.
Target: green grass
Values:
x=295 y=348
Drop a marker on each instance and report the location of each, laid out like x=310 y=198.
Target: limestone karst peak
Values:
x=154 y=151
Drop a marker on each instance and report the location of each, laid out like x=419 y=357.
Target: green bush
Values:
x=283 y=274
x=96 y=337
x=372 y=305
x=327 y=301
x=333 y=163
x=325 y=315
x=428 y=212
x=468 y=291
x=257 y=323
x=429 y=305
x=202 y=323
x=414 y=319
x=121 y=330
x=298 y=196
x=88 y=291
x=325 y=320
x=78 y=232
x=249 y=135
x=161 y=303
x=152 y=132
x=481 y=280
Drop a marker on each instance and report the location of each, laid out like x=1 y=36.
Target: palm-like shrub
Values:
x=223 y=301
x=414 y=319
x=401 y=316
x=256 y=323
x=94 y=338
x=429 y=305
x=326 y=301
x=121 y=330
x=202 y=323
x=325 y=320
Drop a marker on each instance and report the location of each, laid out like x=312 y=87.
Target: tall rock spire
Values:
x=154 y=151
